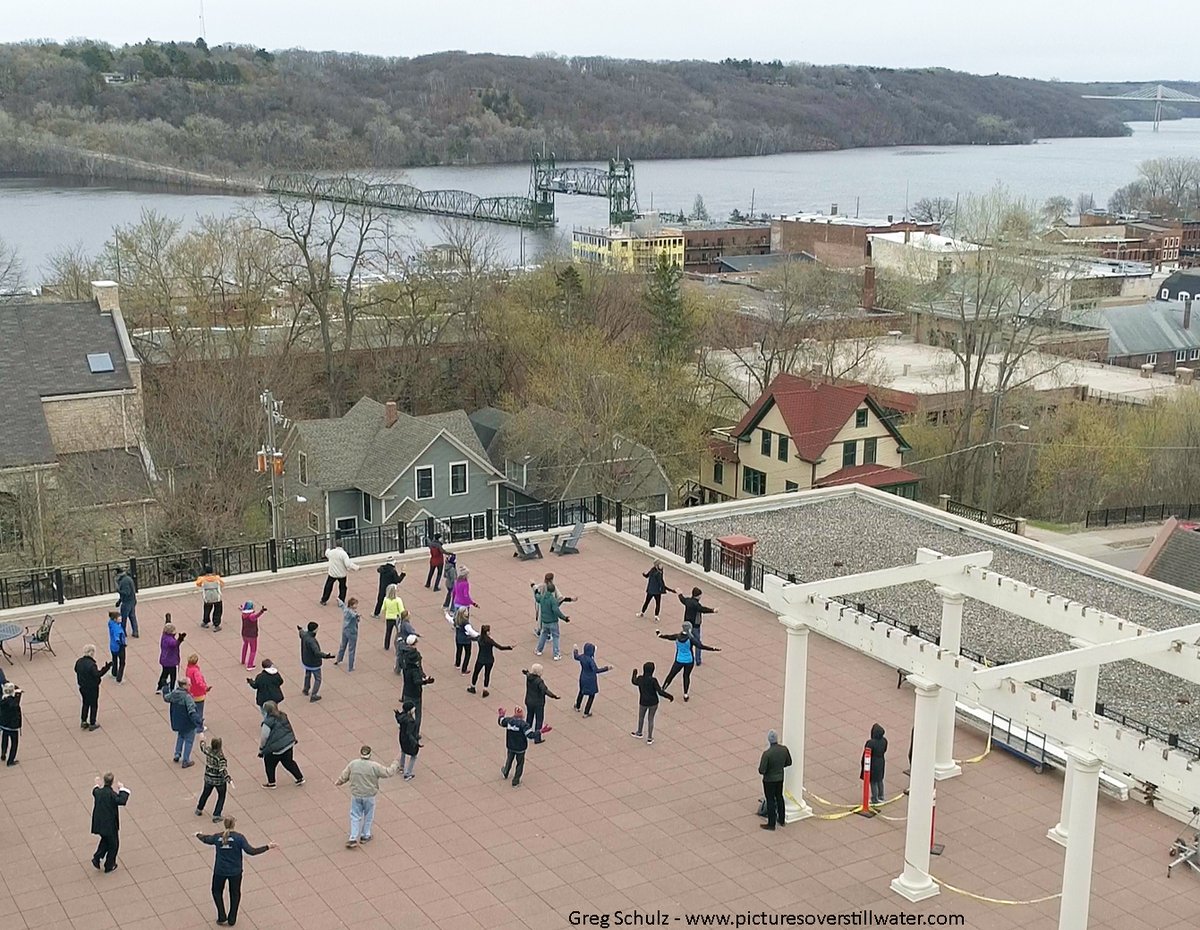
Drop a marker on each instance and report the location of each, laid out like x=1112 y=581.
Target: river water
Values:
x=39 y=216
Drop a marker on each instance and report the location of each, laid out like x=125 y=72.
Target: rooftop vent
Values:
x=99 y=362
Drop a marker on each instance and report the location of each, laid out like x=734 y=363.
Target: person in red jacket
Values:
x=198 y=688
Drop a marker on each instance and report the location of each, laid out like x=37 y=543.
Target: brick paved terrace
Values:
x=601 y=822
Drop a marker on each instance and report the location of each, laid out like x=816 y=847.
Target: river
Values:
x=39 y=216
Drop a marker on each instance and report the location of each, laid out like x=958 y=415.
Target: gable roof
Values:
x=815 y=412
x=873 y=476
x=1179 y=283
x=44 y=349
x=1154 y=326
x=357 y=450
x=1174 y=556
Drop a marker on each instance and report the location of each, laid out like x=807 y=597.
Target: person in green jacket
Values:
x=774 y=760
x=549 y=613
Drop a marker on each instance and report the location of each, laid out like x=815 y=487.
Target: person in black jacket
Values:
x=388 y=575
x=277 y=740
x=693 y=613
x=878 y=745
x=410 y=738
x=311 y=657
x=517 y=735
x=107 y=802
x=486 y=658
x=648 y=693
x=536 y=692
x=227 y=867
x=415 y=678
x=88 y=676
x=267 y=685
x=10 y=721
x=656 y=587
x=774 y=760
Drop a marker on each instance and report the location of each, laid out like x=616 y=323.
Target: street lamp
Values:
x=996 y=445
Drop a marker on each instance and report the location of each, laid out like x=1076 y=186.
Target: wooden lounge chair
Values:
x=526 y=549
x=568 y=545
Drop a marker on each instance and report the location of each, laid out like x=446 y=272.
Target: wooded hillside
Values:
x=230 y=109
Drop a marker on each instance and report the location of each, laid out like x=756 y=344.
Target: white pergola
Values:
x=940 y=676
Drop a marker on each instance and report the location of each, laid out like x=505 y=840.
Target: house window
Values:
x=458 y=478
x=783 y=448
x=314 y=522
x=718 y=472
x=754 y=481
x=1181 y=355
x=367 y=509
x=1152 y=358
x=849 y=454
x=302 y=468
x=860 y=419
x=869 y=446
x=766 y=443
x=1195 y=354
x=791 y=486
x=517 y=472
x=424 y=482
x=126 y=537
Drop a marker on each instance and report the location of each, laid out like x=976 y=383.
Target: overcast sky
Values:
x=1067 y=39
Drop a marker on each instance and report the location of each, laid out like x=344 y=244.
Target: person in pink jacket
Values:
x=198 y=688
x=462 y=593
x=250 y=618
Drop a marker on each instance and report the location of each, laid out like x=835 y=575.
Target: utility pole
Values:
x=271 y=453
x=994 y=448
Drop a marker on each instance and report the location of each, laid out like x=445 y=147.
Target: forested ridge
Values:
x=236 y=109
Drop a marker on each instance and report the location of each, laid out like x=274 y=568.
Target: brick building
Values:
x=836 y=240
x=704 y=246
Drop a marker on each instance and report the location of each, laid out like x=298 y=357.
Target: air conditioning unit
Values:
x=1147 y=369
x=1184 y=375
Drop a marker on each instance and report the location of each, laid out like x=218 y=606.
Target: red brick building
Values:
x=704 y=245
x=840 y=241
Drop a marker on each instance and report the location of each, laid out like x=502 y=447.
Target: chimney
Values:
x=106 y=294
x=391 y=413
x=1187 y=313
x=833 y=209
x=890 y=217
x=868 y=288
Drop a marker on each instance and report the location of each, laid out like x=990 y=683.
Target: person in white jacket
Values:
x=340 y=564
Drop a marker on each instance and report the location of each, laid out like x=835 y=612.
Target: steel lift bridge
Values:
x=1159 y=94
x=616 y=183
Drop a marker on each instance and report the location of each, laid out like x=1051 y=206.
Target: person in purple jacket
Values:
x=168 y=656
x=588 y=676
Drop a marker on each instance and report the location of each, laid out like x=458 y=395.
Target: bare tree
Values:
x=940 y=210
x=1056 y=209
x=1085 y=203
x=12 y=274
x=72 y=271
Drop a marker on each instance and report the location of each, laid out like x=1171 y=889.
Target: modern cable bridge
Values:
x=535 y=210
x=1158 y=94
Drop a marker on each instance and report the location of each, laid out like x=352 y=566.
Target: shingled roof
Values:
x=1174 y=556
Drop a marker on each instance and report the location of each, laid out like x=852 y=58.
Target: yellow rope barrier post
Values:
x=865 y=810
x=935 y=849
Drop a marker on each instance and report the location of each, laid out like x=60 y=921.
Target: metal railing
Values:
x=1146 y=513
x=999 y=520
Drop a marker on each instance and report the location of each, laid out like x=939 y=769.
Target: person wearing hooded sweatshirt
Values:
x=656 y=587
x=116 y=645
x=693 y=613
x=250 y=618
x=88 y=676
x=517 y=734
x=774 y=760
x=437 y=559
x=410 y=738
x=311 y=658
x=462 y=592
x=878 y=745
x=267 y=685
x=339 y=565
x=168 y=655
x=649 y=691
x=403 y=632
x=277 y=739
x=363 y=774
x=415 y=678
x=486 y=659
x=389 y=577
x=197 y=686
x=212 y=587
x=549 y=613
x=127 y=600
x=464 y=636
x=536 y=692
x=451 y=577
x=227 y=868
x=185 y=721
x=393 y=609
x=350 y=621
x=10 y=722
x=686 y=649
x=589 y=673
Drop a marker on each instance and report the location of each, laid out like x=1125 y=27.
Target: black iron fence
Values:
x=999 y=520
x=1146 y=513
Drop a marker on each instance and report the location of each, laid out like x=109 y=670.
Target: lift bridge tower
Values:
x=1158 y=94
x=616 y=183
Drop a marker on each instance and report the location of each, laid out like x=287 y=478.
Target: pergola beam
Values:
x=940 y=569
x=1059 y=663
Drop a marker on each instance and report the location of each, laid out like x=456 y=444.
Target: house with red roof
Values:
x=806 y=434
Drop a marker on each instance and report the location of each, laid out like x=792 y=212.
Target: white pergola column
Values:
x=951 y=640
x=914 y=882
x=795 y=696
x=1077 y=870
x=1087 y=688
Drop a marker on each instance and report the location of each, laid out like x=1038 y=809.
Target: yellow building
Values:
x=632 y=246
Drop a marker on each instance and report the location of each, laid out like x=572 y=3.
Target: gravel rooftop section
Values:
x=849 y=535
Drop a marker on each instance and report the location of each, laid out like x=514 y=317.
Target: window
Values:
x=860 y=419
x=849 y=454
x=424 y=482
x=1181 y=355
x=345 y=526
x=126 y=538
x=869 y=446
x=517 y=472
x=99 y=362
x=783 y=448
x=754 y=481
x=1195 y=354
x=314 y=522
x=303 y=468
x=718 y=472
x=367 y=509
x=791 y=486
x=766 y=443
x=458 y=478
x=1152 y=358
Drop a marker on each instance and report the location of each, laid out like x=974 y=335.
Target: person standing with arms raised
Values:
x=88 y=676
x=107 y=802
x=363 y=774
x=340 y=565
x=311 y=658
x=656 y=587
x=437 y=559
x=389 y=577
x=227 y=868
x=693 y=613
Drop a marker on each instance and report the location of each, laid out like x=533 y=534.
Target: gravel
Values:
x=851 y=534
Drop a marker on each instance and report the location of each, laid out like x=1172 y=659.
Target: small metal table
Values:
x=8 y=631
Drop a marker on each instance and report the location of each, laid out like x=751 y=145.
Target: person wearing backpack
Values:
x=211 y=587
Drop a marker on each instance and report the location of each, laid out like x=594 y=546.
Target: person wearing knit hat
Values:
x=415 y=678
x=536 y=692
x=250 y=618
x=517 y=734
x=389 y=576
x=363 y=774
x=410 y=738
x=774 y=760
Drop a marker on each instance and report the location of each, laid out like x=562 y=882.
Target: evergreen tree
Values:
x=669 y=327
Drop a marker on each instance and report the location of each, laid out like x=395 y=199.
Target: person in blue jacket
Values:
x=518 y=733
x=227 y=868
x=116 y=645
x=185 y=721
x=656 y=587
x=685 y=652
x=588 y=676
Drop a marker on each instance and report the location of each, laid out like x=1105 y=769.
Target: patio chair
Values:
x=526 y=549
x=569 y=545
x=39 y=639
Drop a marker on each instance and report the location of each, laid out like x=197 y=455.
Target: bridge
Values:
x=535 y=210
x=1159 y=94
